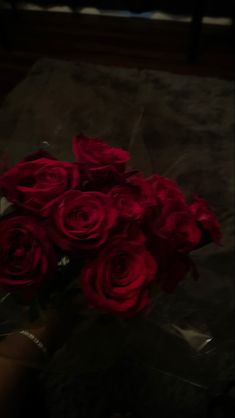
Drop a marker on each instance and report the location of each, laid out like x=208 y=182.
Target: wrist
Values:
x=19 y=348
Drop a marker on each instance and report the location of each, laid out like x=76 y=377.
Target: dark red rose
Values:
x=172 y=220
x=164 y=188
x=27 y=258
x=34 y=183
x=206 y=218
x=129 y=230
x=98 y=159
x=81 y=220
x=178 y=266
x=173 y=265
x=118 y=278
x=132 y=198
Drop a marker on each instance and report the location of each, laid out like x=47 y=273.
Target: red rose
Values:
x=97 y=158
x=174 y=271
x=173 y=265
x=172 y=220
x=34 y=183
x=206 y=218
x=81 y=220
x=26 y=256
x=132 y=198
x=164 y=188
x=118 y=278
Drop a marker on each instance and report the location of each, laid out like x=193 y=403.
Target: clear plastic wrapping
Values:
x=178 y=337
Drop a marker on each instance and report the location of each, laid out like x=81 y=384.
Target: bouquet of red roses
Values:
x=122 y=232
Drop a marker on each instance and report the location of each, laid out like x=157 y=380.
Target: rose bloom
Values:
x=27 y=258
x=80 y=220
x=206 y=218
x=173 y=221
x=175 y=271
x=118 y=278
x=98 y=159
x=132 y=198
x=164 y=188
x=35 y=182
x=173 y=265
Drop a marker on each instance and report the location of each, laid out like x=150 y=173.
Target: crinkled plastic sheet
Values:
x=193 y=342
x=183 y=341
x=175 y=336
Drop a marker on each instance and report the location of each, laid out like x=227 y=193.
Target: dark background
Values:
x=211 y=7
